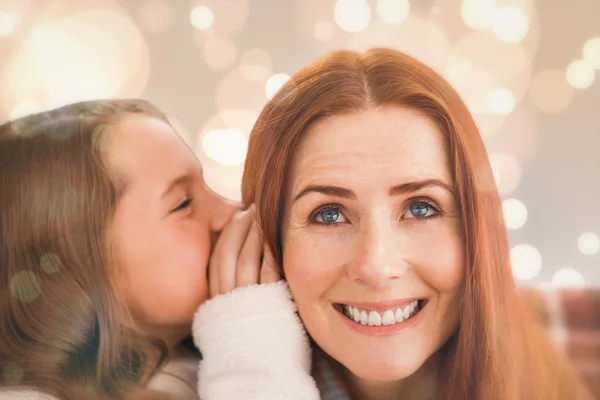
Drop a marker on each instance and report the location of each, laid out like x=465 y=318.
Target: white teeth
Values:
x=387 y=317
x=374 y=319
x=406 y=312
x=364 y=318
x=399 y=315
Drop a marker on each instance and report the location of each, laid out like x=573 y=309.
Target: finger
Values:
x=228 y=248
x=248 y=267
x=269 y=271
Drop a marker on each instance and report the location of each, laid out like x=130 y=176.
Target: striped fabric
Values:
x=572 y=318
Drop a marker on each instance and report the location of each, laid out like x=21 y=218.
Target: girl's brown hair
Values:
x=59 y=327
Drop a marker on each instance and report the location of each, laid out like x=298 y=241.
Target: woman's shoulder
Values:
x=23 y=394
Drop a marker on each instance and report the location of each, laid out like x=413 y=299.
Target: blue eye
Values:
x=328 y=216
x=421 y=210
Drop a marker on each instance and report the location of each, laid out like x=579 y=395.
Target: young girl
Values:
x=106 y=231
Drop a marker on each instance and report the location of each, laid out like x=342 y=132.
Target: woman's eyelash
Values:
x=333 y=207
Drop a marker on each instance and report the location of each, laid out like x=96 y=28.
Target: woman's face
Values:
x=164 y=225
x=372 y=241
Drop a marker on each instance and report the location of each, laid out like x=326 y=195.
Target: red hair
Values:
x=498 y=351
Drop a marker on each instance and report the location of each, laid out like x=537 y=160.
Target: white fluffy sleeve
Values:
x=253 y=346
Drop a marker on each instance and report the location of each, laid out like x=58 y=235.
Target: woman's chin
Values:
x=385 y=370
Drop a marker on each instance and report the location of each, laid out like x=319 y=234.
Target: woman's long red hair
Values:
x=498 y=351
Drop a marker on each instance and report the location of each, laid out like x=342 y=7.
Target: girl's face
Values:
x=164 y=226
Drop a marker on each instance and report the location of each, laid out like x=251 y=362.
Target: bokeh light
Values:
x=588 y=243
x=25 y=286
x=8 y=23
x=275 y=83
x=507 y=172
x=580 y=74
x=393 y=11
x=225 y=146
x=511 y=24
x=515 y=213
x=50 y=263
x=502 y=101
x=526 y=261
x=236 y=91
x=591 y=52
x=202 y=17
x=478 y=14
x=568 y=278
x=352 y=15
x=75 y=58
x=550 y=92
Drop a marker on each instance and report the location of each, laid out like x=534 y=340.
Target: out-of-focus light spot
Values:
x=511 y=24
x=393 y=11
x=518 y=136
x=515 y=213
x=219 y=53
x=275 y=83
x=478 y=14
x=550 y=92
x=352 y=15
x=76 y=58
x=12 y=373
x=588 y=243
x=227 y=146
x=508 y=172
x=474 y=71
x=8 y=23
x=526 y=261
x=502 y=101
x=202 y=17
x=156 y=15
x=256 y=64
x=25 y=108
x=580 y=74
x=323 y=30
x=591 y=52
x=50 y=263
x=568 y=278
x=25 y=286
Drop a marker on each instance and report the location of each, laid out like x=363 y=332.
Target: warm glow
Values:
x=393 y=11
x=226 y=146
x=515 y=213
x=8 y=23
x=550 y=92
x=591 y=52
x=202 y=17
x=352 y=15
x=511 y=24
x=568 y=278
x=275 y=83
x=478 y=14
x=502 y=101
x=588 y=243
x=526 y=261
x=580 y=74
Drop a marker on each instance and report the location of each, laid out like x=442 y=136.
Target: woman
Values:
x=376 y=197
x=106 y=232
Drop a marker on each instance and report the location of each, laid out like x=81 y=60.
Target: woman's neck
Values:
x=419 y=386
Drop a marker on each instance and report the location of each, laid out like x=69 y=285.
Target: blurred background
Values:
x=526 y=69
